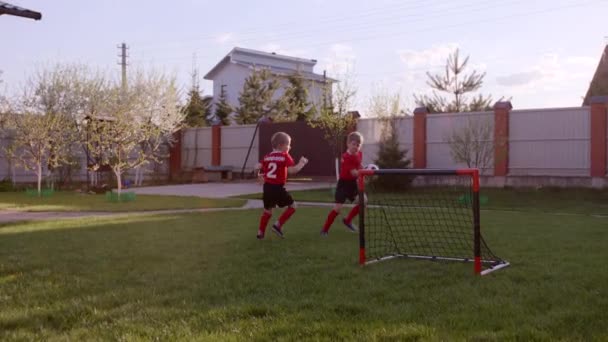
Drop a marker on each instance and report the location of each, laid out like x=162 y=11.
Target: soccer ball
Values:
x=372 y=167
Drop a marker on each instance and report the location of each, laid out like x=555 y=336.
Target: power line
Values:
x=327 y=19
x=409 y=32
x=364 y=27
x=412 y=18
x=433 y=28
x=356 y=28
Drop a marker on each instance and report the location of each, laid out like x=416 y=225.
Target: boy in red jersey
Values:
x=274 y=168
x=347 y=183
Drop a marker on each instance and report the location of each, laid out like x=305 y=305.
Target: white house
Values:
x=231 y=72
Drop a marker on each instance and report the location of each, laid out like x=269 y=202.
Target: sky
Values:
x=538 y=53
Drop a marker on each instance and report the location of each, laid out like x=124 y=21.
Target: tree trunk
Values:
x=13 y=179
x=119 y=181
x=39 y=176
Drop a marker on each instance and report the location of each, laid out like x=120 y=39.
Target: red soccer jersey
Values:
x=274 y=167
x=350 y=162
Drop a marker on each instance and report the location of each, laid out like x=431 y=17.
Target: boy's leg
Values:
x=266 y=215
x=277 y=228
x=331 y=217
x=353 y=212
x=339 y=199
x=285 y=200
x=349 y=218
x=286 y=215
x=353 y=196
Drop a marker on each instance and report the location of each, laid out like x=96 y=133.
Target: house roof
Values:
x=273 y=55
x=599 y=82
x=6 y=8
x=230 y=58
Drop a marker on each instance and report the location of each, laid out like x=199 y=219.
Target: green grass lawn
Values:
x=205 y=277
x=582 y=201
x=73 y=201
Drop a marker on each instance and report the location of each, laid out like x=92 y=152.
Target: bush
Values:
x=391 y=156
x=6 y=185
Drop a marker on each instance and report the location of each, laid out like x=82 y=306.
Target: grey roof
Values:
x=275 y=70
x=252 y=52
x=6 y=8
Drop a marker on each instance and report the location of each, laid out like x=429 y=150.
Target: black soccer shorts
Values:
x=275 y=195
x=346 y=190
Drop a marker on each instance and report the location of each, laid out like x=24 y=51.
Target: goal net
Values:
x=437 y=218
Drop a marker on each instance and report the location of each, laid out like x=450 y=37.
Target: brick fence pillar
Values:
x=501 y=138
x=420 y=114
x=216 y=145
x=598 y=139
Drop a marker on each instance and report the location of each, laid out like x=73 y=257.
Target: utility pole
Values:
x=123 y=63
x=195 y=81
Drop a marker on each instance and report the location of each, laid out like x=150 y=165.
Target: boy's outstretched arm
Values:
x=296 y=168
x=258 y=171
x=354 y=172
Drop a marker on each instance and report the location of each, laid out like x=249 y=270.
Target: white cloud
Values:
x=274 y=47
x=270 y=47
x=582 y=61
x=340 y=60
x=549 y=73
x=224 y=38
x=418 y=62
x=519 y=78
x=432 y=57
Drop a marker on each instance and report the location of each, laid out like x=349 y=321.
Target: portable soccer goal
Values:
x=437 y=218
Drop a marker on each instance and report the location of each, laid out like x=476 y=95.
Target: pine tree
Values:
x=197 y=110
x=391 y=156
x=223 y=109
x=256 y=98
x=458 y=85
x=295 y=99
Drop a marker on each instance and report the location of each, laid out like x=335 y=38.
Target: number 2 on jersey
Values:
x=272 y=170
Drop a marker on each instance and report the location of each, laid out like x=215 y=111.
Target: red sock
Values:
x=286 y=215
x=353 y=212
x=330 y=219
x=264 y=221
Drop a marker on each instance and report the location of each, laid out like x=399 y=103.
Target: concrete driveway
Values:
x=221 y=190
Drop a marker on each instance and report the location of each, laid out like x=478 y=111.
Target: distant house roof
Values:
x=6 y=8
x=599 y=82
x=232 y=57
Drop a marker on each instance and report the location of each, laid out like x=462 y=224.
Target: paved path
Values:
x=221 y=190
x=8 y=216
x=209 y=190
